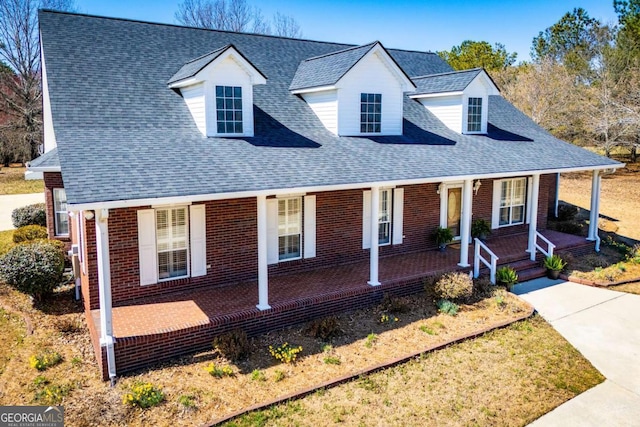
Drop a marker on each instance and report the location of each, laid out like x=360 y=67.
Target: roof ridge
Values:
x=225 y=47
x=413 y=51
x=342 y=51
x=448 y=72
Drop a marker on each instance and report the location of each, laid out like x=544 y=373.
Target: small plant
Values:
x=332 y=360
x=500 y=301
x=324 y=328
x=76 y=361
x=480 y=228
x=371 y=340
x=506 y=276
x=188 y=401
x=386 y=319
x=279 y=376
x=28 y=233
x=143 y=395
x=285 y=353
x=554 y=263
x=52 y=394
x=219 y=371
x=443 y=236
x=45 y=360
x=454 y=286
x=233 y=345
x=393 y=304
x=447 y=307
x=29 y=215
x=258 y=375
x=427 y=330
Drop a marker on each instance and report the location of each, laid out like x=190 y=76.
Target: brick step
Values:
x=531 y=273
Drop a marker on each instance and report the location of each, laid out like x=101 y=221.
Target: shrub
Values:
x=447 y=307
x=506 y=276
x=233 y=345
x=143 y=395
x=567 y=212
x=29 y=215
x=219 y=371
x=28 y=233
x=454 y=286
x=285 y=353
x=480 y=228
x=570 y=227
x=45 y=360
x=324 y=328
x=35 y=268
x=394 y=304
x=482 y=286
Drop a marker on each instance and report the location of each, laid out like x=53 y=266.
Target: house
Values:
x=208 y=173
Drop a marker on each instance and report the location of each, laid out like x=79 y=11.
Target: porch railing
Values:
x=550 y=246
x=491 y=263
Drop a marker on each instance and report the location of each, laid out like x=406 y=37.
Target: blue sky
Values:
x=406 y=24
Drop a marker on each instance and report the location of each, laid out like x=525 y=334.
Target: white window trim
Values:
x=497 y=188
x=300 y=226
x=188 y=243
x=360 y=113
x=444 y=202
x=466 y=112
x=56 y=225
x=396 y=208
x=215 y=110
x=389 y=192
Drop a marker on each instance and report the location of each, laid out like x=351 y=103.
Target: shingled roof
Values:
x=453 y=81
x=122 y=134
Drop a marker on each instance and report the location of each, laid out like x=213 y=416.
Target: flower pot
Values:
x=442 y=248
x=553 y=274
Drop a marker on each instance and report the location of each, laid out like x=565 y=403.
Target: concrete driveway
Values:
x=605 y=327
x=11 y=201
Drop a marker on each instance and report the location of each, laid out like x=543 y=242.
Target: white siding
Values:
x=325 y=105
x=448 y=109
x=228 y=72
x=478 y=88
x=47 y=119
x=370 y=75
x=194 y=97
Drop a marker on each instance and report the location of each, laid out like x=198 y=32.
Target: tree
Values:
x=472 y=54
x=20 y=89
x=234 y=15
x=569 y=41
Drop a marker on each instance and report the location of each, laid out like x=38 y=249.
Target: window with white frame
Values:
x=512 y=201
x=370 y=112
x=229 y=109
x=172 y=242
x=384 y=217
x=474 y=115
x=61 y=215
x=290 y=228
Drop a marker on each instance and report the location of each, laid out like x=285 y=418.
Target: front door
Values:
x=451 y=209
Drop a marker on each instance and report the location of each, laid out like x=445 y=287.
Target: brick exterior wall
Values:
x=54 y=180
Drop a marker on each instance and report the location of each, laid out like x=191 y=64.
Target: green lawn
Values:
x=12 y=182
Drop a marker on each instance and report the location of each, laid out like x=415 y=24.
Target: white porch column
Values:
x=465 y=222
x=594 y=214
x=263 y=270
x=533 y=219
x=104 y=289
x=373 y=264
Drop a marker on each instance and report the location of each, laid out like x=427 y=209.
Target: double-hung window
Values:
x=370 y=112
x=474 y=115
x=172 y=242
x=289 y=228
x=384 y=217
x=229 y=109
x=512 y=201
x=60 y=210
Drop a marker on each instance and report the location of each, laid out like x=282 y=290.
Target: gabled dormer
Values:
x=356 y=91
x=218 y=90
x=459 y=98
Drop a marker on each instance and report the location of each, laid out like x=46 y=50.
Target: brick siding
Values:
x=54 y=180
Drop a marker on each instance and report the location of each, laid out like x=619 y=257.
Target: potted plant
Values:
x=507 y=277
x=554 y=265
x=480 y=228
x=443 y=236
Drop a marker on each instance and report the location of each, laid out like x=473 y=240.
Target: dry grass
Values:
x=12 y=333
x=613 y=264
x=508 y=377
x=12 y=182
x=6 y=241
x=632 y=288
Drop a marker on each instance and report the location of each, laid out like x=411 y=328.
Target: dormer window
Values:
x=370 y=112
x=229 y=109
x=474 y=115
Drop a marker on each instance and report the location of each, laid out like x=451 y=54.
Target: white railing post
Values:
x=490 y=264
x=476 y=259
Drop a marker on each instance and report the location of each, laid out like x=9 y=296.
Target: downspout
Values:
x=557 y=194
x=104 y=286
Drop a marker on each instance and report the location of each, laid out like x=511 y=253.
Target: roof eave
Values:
x=312 y=89
x=435 y=95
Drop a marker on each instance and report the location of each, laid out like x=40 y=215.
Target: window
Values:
x=229 y=109
x=512 y=201
x=384 y=218
x=370 y=112
x=289 y=228
x=474 y=115
x=60 y=212
x=172 y=242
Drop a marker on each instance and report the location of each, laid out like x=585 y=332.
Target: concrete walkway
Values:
x=11 y=201
x=605 y=327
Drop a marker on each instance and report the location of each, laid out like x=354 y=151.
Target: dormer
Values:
x=356 y=91
x=459 y=99
x=218 y=90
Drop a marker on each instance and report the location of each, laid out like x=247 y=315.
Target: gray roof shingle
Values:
x=122 y=134
x=47 y=160
x=453 y=81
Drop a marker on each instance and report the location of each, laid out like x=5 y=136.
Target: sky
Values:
x=427 y=25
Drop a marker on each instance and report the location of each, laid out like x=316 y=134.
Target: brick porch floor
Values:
x=207 y=307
